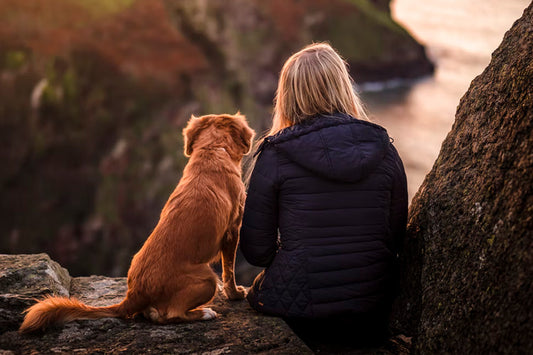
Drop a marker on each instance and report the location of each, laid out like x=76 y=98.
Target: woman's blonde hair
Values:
x=314 y=81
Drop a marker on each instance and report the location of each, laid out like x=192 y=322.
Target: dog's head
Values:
x=230 y=132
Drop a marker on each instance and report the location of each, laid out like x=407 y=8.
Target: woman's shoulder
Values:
x=312 y=130
x=336 y=146
x=314 y=124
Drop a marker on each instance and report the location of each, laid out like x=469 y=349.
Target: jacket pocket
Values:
x=282 y=288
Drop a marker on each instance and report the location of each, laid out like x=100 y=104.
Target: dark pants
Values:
x=341 y=333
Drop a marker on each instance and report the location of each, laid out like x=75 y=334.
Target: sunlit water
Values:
x=460 y=36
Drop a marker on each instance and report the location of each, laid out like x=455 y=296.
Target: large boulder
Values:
x=238 y=329
x=468 y=257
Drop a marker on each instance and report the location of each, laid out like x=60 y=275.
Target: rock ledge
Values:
x=238 y=329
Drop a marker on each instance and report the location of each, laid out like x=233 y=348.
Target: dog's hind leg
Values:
x=186 y=304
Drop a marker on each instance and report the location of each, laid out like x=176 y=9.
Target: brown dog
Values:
x=170 y=277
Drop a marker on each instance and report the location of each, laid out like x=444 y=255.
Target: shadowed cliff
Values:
x=94 y=95
x=468 y=258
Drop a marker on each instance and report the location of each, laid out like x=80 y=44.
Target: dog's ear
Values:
x=191 y=132
x=245 y=135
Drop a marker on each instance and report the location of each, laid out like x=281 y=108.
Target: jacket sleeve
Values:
x=399 y=203
x=259 y=231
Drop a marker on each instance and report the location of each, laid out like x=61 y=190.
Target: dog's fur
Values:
x=170 y=278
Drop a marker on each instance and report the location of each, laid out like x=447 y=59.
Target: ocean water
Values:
x=460 y=36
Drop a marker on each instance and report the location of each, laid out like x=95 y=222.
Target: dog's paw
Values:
x=237 y=293
x=208 y=314
x=152 y=314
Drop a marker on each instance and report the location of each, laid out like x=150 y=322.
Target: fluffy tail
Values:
x=56 y=310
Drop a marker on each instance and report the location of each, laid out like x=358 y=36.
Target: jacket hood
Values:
x=337 y=146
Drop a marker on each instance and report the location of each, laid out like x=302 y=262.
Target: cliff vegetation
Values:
x=94 y=94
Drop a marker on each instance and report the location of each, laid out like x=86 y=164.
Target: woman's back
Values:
x=334 y=187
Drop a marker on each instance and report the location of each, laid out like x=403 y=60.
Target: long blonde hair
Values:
x=314 y=81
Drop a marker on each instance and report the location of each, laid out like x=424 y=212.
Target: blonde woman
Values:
x=326 y=207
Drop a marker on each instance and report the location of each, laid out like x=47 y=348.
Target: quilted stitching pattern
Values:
x=338 y=230
x=285 y=284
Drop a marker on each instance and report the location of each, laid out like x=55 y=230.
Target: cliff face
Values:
x=468 y=258
x=94 y=94
x=252 y=39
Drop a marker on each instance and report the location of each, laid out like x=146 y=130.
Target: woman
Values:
x=326 y=206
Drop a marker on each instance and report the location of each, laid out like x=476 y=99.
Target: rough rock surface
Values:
x=238 y=329
x=23 y=279
x=468 y=258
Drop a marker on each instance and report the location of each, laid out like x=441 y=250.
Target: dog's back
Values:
x=194 y=219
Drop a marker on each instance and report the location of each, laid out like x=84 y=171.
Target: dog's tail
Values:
x=56 y=310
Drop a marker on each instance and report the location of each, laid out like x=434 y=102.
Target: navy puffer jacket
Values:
x=325 y=212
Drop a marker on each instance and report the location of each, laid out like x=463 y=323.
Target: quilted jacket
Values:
x=325 y=212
